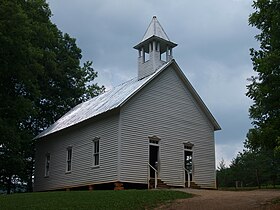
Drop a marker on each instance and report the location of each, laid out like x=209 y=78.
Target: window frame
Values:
x=188 y=146
x=69 y=159
x=96 y=152
x=154 y=140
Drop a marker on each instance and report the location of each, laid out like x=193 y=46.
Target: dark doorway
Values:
x=188 y=165
x=153 y=159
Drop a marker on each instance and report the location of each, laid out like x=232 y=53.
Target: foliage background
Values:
x=259 y=163
x=40 y=80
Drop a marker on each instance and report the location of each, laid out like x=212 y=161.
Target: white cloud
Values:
x=227 y=152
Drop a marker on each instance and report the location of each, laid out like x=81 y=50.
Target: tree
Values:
x=251 y=168
x=222 y=174
x=265 y=87
x=40 y=80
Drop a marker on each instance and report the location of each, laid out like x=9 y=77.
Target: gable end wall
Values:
x=166 y=108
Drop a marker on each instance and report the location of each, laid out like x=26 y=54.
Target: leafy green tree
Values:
x=40 y=79
x=223 y=175
x=251 y=168
x=269 y=157
x=265 y=87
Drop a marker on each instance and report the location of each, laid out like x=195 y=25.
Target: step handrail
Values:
x=189 y=181
x=156 y=175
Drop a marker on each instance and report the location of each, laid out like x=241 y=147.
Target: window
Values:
x=69 y=159
x=96 y=151
x=153 y=142
x=188 y=147
x=47 y=164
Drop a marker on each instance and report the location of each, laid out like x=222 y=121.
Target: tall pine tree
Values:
x=40 y=79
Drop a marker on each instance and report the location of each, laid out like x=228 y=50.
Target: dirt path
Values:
x=227 y=200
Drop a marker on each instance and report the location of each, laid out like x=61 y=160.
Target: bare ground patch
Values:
x=229 y=200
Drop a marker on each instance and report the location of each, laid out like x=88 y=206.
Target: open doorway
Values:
x=188 y=159
x=154 y=158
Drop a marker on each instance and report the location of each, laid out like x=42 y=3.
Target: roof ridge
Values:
x=106 y=91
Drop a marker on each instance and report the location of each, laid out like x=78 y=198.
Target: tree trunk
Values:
x=258 y=180
x=30 y=176
x=9 y=185
x=273 y=178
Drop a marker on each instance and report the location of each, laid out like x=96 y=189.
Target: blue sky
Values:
x=213 y=40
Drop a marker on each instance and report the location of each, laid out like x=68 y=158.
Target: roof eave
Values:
x=192 y=90
x=156 y=38
x=98 y=116
x=198 y=99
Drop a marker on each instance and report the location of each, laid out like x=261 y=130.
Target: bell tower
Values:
x=154 y=44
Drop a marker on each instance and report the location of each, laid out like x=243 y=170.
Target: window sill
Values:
x=93 y=167
x=68 y=172
x=46 y=176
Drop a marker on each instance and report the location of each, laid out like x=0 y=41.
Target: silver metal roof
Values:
x=155 y=29
x=116 y=98
x=100 y=104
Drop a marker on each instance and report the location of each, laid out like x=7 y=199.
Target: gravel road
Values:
x=226 y=200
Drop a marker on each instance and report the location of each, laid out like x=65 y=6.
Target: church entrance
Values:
x=154 y=159
x=188 y=165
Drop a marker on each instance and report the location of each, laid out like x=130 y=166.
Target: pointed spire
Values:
x=155 y=32
x=155 y=29
x=154 y=43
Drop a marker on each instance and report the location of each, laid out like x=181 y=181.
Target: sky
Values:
x=213 y=40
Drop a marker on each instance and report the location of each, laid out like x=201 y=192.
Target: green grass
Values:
x=271 y=187
x=126 y=199
x=275 y=201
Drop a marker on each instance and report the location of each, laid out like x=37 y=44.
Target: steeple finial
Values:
x=154 y=43
x=155 y=29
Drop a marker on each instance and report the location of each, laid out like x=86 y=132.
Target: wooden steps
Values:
x=160 y=184
x=163 y=185
x=193 y=185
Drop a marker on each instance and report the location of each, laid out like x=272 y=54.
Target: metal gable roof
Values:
x=100 y=104
x=117 y=97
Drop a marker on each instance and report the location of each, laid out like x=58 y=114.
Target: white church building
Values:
x=153 y=131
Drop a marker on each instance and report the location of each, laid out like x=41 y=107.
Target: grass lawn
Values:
x=125 y=199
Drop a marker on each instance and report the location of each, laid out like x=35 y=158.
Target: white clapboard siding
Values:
x=166 y=108
x=80 y=138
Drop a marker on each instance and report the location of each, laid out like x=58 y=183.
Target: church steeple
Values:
x=155 y=42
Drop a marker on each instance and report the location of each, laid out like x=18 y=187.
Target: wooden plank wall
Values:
x=82 y=172
x=166 y=108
